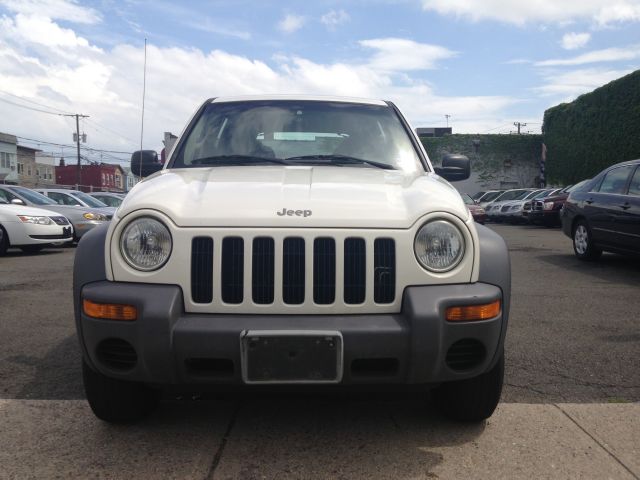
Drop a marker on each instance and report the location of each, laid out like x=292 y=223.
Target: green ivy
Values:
x=594 y=131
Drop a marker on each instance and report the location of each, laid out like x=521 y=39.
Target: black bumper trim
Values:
x=166 y=338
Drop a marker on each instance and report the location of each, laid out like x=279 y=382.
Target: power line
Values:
x=98 y=127
x=68 y=145
x=32 y=101
x=31 y=108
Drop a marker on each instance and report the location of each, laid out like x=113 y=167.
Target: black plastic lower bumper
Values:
x=165 y=345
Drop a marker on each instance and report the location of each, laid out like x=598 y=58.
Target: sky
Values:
x=483 y=63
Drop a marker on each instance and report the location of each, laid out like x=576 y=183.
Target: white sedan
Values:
x=31 y=229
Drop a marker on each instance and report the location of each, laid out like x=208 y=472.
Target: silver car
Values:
x=83 y=219
x=110 y=199
x=76 y=198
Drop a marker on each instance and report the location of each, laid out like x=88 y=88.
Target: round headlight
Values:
x=439 y=246
x=145 y=244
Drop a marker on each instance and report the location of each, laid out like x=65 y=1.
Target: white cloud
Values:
x=67 y=72
x=399 y=54
x=602 y=12
x=68 y=10
x=576 y=82
x=291 y=22
x=334 y=18
x=573 y=41
x=630 y=52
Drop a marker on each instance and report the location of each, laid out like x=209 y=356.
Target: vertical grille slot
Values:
x=202 y=269
x=324 y=270
x=262 y=270
x=384 y=270
x=354 y=270
x=232 y=270
x=293 y=270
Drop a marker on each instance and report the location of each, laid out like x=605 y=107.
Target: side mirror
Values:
x=17 y=201
x=454 y=168
x=145 y=163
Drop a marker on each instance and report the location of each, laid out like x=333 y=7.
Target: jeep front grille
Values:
x=384 y=267
x=262 y=270
x=287 y=263
x=293 y=274
x=232 y=281
x=355 y=270
x=202 y=269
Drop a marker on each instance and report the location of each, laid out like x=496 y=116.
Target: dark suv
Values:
x=604 y=214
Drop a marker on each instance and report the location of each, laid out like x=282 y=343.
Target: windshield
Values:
x=577 y=185
x=33 y=197
x=512 y=195
x=534 y=194
x=490 y=196
x=286 y=132
x=467 y=199
x=88 y=199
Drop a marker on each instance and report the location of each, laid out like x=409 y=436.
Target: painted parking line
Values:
x=315 y=438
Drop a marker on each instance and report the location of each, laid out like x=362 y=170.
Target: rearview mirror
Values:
x=145 y=163
x=17 y=201
x=454 y=168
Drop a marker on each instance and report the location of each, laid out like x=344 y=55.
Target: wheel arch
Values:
x=88 y=267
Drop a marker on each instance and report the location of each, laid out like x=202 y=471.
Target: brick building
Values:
x=27 y=169
x=8 y=154
x=104 y=177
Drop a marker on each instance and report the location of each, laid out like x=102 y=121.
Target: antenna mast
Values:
x=144 y=89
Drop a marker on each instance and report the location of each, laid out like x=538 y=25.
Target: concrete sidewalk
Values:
x=311 y=438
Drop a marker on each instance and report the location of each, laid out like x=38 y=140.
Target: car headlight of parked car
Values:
x=439 y=246
x=146 y=244
x=548 y=205
x=94 y=216
x=35 y=220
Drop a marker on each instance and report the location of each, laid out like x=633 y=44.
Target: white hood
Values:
x=314 y=196
x=10 y=212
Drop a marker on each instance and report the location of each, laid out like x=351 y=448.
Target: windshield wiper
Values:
x=231 y=160
x=341 y=160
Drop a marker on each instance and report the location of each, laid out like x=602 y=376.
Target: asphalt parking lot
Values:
x=573 y=342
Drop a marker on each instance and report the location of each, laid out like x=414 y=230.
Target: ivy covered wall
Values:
x=594 y=131
x=497 y=161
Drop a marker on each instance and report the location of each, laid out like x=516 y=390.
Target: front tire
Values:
x=474 y=399
x=583 y=245
x=118 y=401
x=31 y=248
x=4 y=241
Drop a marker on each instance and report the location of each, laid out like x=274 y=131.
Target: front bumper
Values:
x=171 y=345
x=83 y=226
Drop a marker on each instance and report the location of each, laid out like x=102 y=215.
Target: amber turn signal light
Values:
x=473 y=312
x=109 y=311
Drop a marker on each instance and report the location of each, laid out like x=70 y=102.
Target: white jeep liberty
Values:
x=293 y=240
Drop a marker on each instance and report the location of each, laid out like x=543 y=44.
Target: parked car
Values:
x=511 y=211
x=528 y=205
x=266 y=254
x=476 y=210
x=604 y=214
x=488 y=197
x=31 y=229
x=83 y=219
x=76 y=198
x=547 y=211
x=108 y=198
x=494 y=208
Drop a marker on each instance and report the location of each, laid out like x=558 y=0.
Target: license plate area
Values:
x=291 y=356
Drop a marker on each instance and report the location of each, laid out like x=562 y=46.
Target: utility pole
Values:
x=447 y=116
x=77 y=138
x=518 y=124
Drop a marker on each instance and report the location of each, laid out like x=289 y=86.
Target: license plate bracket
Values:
x=291 y=356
